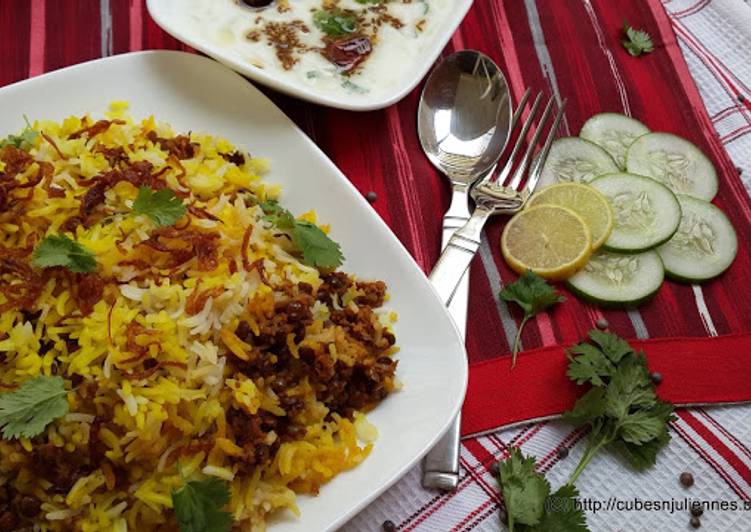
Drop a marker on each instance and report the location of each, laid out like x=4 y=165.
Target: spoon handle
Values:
x=458 y=255
x=440 y=468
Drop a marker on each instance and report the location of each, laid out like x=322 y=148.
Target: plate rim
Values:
x=261 y=76
x=402 y=469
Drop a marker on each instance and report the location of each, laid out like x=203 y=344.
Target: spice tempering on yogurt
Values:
x=341 y=48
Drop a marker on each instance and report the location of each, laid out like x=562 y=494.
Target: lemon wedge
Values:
x=585 y=201
x=552 y=241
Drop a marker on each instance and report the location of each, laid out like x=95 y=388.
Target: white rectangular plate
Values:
x=170 y=16
x=195 y=93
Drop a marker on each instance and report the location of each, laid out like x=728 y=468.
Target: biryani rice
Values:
x=207 y=349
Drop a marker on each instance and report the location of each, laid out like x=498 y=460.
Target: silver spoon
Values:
x=463 y=123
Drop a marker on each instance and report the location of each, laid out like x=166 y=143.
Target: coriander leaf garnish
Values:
x=598 y=358
x=636 y=42
x=59 y=250
x=533 y=295
x=621 y=408
x=622 y=411
x=318 y=250
x=529 y=504
x=334 y=22
x=26 y=412
x=198 y=506
x=277 y=215
x=26 y=139
x=562 y=514
x=524 y=490
x=162 y=206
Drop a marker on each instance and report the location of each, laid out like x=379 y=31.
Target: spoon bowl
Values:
x=464 y=115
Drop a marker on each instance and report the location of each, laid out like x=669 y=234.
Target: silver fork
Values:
x=502 y=195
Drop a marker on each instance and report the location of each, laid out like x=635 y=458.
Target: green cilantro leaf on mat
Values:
x=524 y=489
x=25 y=140
x=598 y=358
x=161 y=206
x=533 y=295
x=622 y=411
x=318 y=250
x=334 y=22
x=636 y=42
x=26 y=412
x=530 y=506
x=562 y=514
x=198 y=506
x=59 y=250
x=621 y=408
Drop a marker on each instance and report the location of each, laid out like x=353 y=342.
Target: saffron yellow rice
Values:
x=250 y=366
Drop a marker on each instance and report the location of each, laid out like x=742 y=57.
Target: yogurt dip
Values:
x=347 y=50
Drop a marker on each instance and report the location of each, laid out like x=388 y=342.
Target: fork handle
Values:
x=457 y=256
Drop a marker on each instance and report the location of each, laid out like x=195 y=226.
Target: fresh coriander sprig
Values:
x=621 y=407
x=198 y=506
x=533 y=295
x=26 y=139
x=530 y=506
x=59 y=250
x=636 y=42
x=318 y=250
x=161 y=206
x=335 y=22
x=26 y=412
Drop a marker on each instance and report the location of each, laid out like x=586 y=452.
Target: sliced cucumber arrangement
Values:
x=655 y=218
x=675 y=162
x=575 y=160
x=619 y=280
x=704 y=245
x=613 y=132
x=646 y=212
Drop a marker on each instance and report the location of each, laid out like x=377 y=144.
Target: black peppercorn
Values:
x=388 y=526
x=687 y=479
x=371 y=196
x=602 y=324
x=696 y=509
x=495 y=469
x=656 y=377
x=562 y=452
x=695 y=522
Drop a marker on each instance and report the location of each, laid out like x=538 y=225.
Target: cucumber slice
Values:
x=646 y=212
x=614 y=132
x=575 y=160
x=619 y=280
x=704 y=245
x=674 y=162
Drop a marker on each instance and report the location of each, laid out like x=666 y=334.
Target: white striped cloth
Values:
x=714 y=444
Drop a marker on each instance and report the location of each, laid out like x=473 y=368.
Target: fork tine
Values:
x=520 y=140
x=519 y=108
x=524 y=164
x=536 y=172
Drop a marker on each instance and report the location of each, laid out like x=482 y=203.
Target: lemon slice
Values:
x=552 y=241
x=585 y=201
